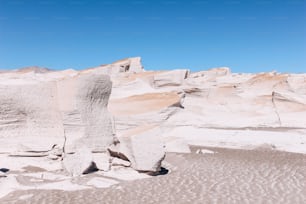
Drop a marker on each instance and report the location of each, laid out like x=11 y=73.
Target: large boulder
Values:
x=142 y=146
x=83 y=105
x=41 y=111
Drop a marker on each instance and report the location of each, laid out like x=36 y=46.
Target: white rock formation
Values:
x=80 y=162
x=150 y=108
x=128 y=65
x=239 y=100
x=102 y=161
x=49 y=115
x=142 y=146
x=212 y=73
x=83 y=105
x=43 y=112
x=36 y=115
x=52 y=114
x=171 y=78
x=120 y=162
x=212 y=100
x=29 y=116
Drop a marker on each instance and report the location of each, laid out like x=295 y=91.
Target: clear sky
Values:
x=245 y=35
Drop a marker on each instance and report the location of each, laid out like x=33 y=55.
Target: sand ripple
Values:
x=229 y=176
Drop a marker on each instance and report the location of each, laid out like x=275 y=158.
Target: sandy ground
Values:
x=225 y=176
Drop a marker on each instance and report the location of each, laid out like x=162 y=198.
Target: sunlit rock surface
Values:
x=127 y=118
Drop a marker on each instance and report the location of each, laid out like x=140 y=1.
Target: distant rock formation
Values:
x=34 y=69
x=128 y=65
x=171 y=78
x=214 y=98
x=188 y=104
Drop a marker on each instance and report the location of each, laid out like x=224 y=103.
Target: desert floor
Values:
x=225 y=176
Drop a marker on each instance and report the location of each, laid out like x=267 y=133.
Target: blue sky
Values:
x=247 y=36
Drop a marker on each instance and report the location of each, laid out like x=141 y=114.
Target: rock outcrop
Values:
x=29 y=117
x=206 y=100
x=83 y=106
x=120 y=120
x=48 y=114
x=129 y=65
x=37 y=115
x=64 y=114
x=170 y=78
x=139 y=110
x=142 y=146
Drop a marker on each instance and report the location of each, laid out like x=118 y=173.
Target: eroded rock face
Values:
x=86 y=119
x=45 y=113
x=215 y=98
x=64 y=114
x=37 y=115
x=29 y=117
x=142 y=146
x=143 y=109
x=212 y=99
x=170 y=78
x=128 y=65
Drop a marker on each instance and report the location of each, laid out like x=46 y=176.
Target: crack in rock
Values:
x=275 y=109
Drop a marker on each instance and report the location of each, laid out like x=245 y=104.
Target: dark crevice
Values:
x=91 y=169
x=162 y=171
x=4 y=170
x=118 y=155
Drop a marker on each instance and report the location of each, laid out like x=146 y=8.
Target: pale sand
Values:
x=228 y=176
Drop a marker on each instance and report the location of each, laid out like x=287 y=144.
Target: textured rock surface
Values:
x=129 y=65
x=36 y=115
x=218 y=98
x=80 y=162
x=138 y=110
x=102 y=161
x=44 y=114
x=53 y=114
x=171 y=78
x=207 y=101
x=60 y=110
x=29 y=117
x=83 y=106
x=142 y=146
